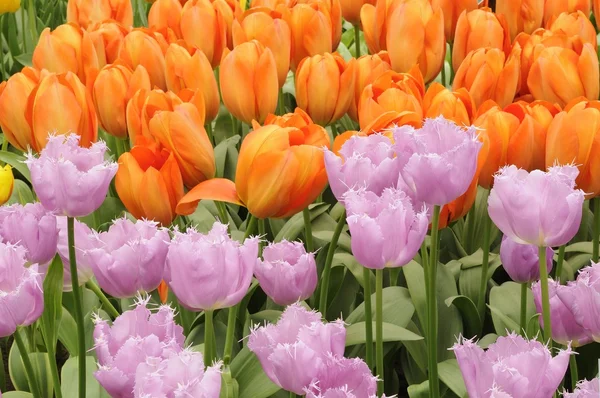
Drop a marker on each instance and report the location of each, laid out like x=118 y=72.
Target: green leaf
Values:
x=17 y=162
x=252 y=380
x=469 y=313
x=70 y=379
x=270 y=316
x=501 y=318
x=17 y=394
x=222 y=151
x=25 y=59
x=533 y=326
x=21 y=194
x=580 y=247
x=67 y=332
x=355 y=333
x=343 y=241
x=419 y=390
x=41 y=367
x=295 y=225
x=451 y=376
x=110 y=209
x=505 y=304
x=398 y=308
x=53 y=288
x=355 y=268
x=487 y=340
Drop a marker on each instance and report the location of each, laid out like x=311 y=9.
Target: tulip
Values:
x=7 y=181
x=230 y=11
x=272 y=32
x=509 y=359
x=183 y=70
x=334 y=10
x=521 y=262
x=164 y=17
x=487 y=74
x=22 y=299
x=574 y=24
x=248 y=79
x=85 y=241
x=204 y=28
x=439 y=160
x=280 y=171
x=9 y=6
x=301 y=332
x=344 y=378
x=69 y=179
x=86 y=12
x=565 y=329
x=108 y=39
x=525 y=206
x=373 y=20
x=325 y=87
x=287 y=274
x=179 y=375
x=217 y=278
x=521 y=15
x=149 y=183
x=143 y=106
x=112 y=89
x=32 y=227
x=553 y=8
x=143 y=47
x=585 y=389
x=561 y=74
x=368 y=69
x=299 y=119
x=351 y=10
x=452 y=9
x=375 y=243
x=401 y=94
x=457 y=105
x=134 y=337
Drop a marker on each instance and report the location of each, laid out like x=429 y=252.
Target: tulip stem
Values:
x=108 y=307
x=33 y=386
x=231 y=320
x=357 y=40
x=209 y=133
x=293 y=394
x=573 y=370
x=368 y=318
x=51 y=350
x=379 y=328
x=280 y=103
x=209 y=336
x=432 y=321
x=596 y=237
x=250 y=225
x=308 y=230
x=444 y=73
x=222 y=209
x=78 y=306
x=328 y=261
x=2 y=69
x=559 y=263
x=487 y=227
x=523 y=320
x=234 y=126
x=545 y=296
x=262 y=234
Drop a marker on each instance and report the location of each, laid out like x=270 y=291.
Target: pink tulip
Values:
x=521 y=262
x=84 y=241
x=343 y=378
x=585 y=389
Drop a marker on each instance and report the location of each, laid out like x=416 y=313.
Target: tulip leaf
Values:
x=25 y=59
x=342 y=302
x=17 y=394
x=295 y=225
x=41 y=367
x=343 y=241
x=398 y=308
x=412 y=371
x=451 y=376
x=355 y=333
x=419 y=390
x=70 y=381
x=53 y=288
x=17 y=163
x=469 y=313
x=417 y=349
x=225 y=150
x=252 y=380
x=21 y=194
x=502 y=319
x=355 y=268
x=488 y=339
x=505 y=304
x=580 y=247
x=533 y=326
x=270 y=316
x=67 y=332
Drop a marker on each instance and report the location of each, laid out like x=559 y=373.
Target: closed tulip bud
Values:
x=585 y=389
x=86 y=12
x=108 y=39
x=344 y=378
x=165 y=17
x=573 y=24
x=553 y=8
x=112 y=89
x=7 y=182
x=487 y=74
x=368 y=69
x=519 y=211
x=142 y=47
x=248 y=78
x=269 y=29
x=9 y=6
x=457 y=105
x=476 y=30
x=373 y=22
x=204 y=28
x=521 y=15
x=280 y=171
x=231 y=11
x=194 y=72
x=85 y=241
x=149 y=183
x=521 y=261
x=334 y=10
x=351 y=9
x=22 y=295
x=14 y=95
x=325 y=87
x=452 y=9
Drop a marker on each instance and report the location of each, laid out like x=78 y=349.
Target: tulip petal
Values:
x=220 y=189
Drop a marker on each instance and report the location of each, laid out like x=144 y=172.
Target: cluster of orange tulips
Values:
x=527 y=75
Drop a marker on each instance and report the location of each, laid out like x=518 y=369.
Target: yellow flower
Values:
x=9 y=6
x=7 y=182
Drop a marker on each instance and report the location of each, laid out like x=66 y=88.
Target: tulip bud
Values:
x=574 y=24
x=87 y=12
x=142 y=107
x=9 y=6
x=521 y=15
x=522 y=262
x=204 y=28
x=230 y=11
x=334 y=11
x=452 y=9
x=108 y=39
x=553 y=8
x=368 y=68
x=457 y=106
x=146 y=48
x=164 y=17
x=7 y=181
x=351 y=10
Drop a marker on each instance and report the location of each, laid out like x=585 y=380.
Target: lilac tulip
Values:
x=511 y=367
x=32 y=227
x=130 y=257
x=585 y=389
x=343 y=378
x=295 y=350
x=538 y=208
x=288 y=273
x=84 y=241
x=440 y=159
x=69 y=179
x=521 y=261
x=365 y=162
x=134 y=337
x=212 y=271
x=386 y=230
x=21 y=295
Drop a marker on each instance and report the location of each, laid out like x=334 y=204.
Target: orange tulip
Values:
x=574 y=138
x=596 y=6
x=521 y=15
x=325 y=86
x=457 y=106
x=574 y=24
x=351 y=9
x=86 y=12
x=280 y=171
x=163 y=292
x=114 y=86
x=451 y=10
x=268 y=28
x=479 y=29
x=14 y=95
x=271 y=4
x=165 y=17
x=108 y=39
x=373 y=20
x=205 y=28
x=149 y=183
x=553 y=8
x=143 y=47
x=334 y=9
x=561 y=74
x=142 y=107
x=299 y=119
x=68 y=48
x=394 y=94
x=249 y=82
x=486 y=75
x=230 y=11
x=368 y=68
x=194 y=72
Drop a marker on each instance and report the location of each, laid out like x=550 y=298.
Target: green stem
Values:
x=379 y=328
x=250 y=226
x=545 y=296
x=293 y=395
x=368 y=318
x=596 y=237
x=308 y=230
x=2 y=69
x=231 y=320
x=108 y=307
x=559 y=263
x=327 y=269
x=120 y=144
x=425 y=265
x=432 y=321
x=573 y=370
x=468 y=232
x=444 y=73
x=23 y=30
x=78 y=307
x=209 y=132
x=4 y=143
x=357 y=40
x=33 y=386
x=32 y=19
x=51 y=349
x=209 y=336
x=261 y=233
x=280 y=104
x=523 y=319
x=234 y=126
x=487 y=229
x=222 y=209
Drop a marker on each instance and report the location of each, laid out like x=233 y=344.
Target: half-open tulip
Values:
x=368 y=68
x=553 y=8
x=280 y=171
x=521 y=15
x=344 y=378
x=7 y=182
x=325 y=86
x=149 y=183
x=487 y=74
x=146 y=48
x=248 y=79
x=165 y=17
x=573 y=24
x=452 y=10
x=142 y=107
x=299 y=119
x=479 y=29
x=86 y=12
x=457 y=106
x=108 y=39
x=351 y=10
x=203 y=27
